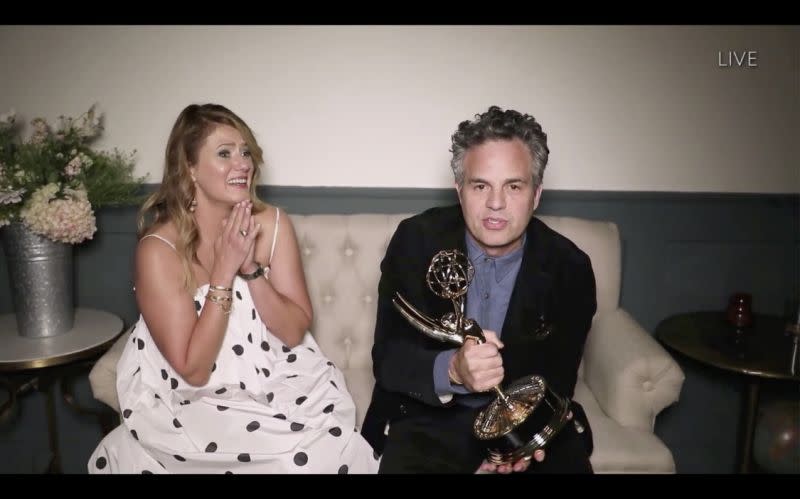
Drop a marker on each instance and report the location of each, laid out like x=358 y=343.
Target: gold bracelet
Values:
x=217 y=299
x=224 y=303
x=220 y=288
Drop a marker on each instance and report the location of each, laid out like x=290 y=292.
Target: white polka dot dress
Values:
x=265 y=409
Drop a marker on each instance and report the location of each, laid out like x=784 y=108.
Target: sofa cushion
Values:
x=600 y=241
x=619 y=449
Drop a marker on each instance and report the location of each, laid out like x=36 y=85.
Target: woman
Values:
x=220 y=374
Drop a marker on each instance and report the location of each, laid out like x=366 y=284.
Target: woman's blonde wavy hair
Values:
x=173 y=199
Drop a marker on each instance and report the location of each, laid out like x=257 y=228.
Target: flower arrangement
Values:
x=53 y=181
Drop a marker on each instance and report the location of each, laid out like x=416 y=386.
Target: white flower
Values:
x=90 y=125
x=40 y=130
x=70 y=220
x=8 y=119
x=74 y=166
x=11 y=197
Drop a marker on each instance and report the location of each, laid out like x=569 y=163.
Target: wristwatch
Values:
x=256 y=274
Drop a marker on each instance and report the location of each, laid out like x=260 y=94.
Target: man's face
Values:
x=498 y=196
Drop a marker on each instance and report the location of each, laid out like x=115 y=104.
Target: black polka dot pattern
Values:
x=173 y=383
x=100 y=463
x=214 y=367
x=244 y=457
x=238 y=295
x=297 y=426
x=211 y=447
x=250 y=337
x=241 y=385
x=265 y=346
x=312 y=350
x=221 y=391
x=140 y=344
x=157 y=396
x=334 y=384
x=292 y=376
x=134 y=435
x=229 y=472
x=147 y=472
x=270 y=396
x=176 y=423
x=279 y=416
x=164 y=374
x=330 y=363
x=375 y=455
x=343 y=469
x=291 y=358
x=179 y=458
x=238 y=349
x=253 y=426
x=127 y=413
x=197 y=305
x=265 y=371
x=300 y=459
x=335 y=431
x=221 y=408
x=254 y=314
x=286 y=349
x=300 y=400
x=161 y=464
x=328 y=409
x=137 y=370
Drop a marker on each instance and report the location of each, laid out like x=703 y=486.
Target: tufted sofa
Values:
x=626 y=378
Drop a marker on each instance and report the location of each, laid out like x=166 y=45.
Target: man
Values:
x=533 y=295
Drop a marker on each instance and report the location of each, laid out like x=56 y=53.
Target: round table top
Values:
x=763 y=350
x=93 y=331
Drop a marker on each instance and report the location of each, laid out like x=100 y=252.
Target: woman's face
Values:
x=224 y=168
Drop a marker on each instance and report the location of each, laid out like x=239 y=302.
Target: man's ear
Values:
x=536 y=196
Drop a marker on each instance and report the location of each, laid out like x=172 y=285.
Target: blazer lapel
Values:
x=527 y=313
x=450 y=237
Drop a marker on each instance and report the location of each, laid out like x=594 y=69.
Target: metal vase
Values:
x=41 y=276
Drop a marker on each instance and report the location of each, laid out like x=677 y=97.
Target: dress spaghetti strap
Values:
x=162 y=238
x=274 y=234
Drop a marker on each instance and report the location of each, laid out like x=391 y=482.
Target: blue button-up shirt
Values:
x=487 y=303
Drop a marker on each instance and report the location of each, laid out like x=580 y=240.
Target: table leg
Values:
x=12 y=398
x=107 y=418
x=749 y=410
x=52 y=427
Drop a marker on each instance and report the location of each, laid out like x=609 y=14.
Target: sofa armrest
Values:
x=630 y=374
x=103 y=376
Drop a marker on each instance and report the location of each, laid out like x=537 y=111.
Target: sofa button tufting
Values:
x=647 y=385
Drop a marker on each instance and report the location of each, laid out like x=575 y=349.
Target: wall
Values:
x=627 y=108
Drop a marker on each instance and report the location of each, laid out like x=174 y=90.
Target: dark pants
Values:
x=445 y=444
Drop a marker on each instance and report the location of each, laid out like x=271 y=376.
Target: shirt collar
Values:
x=503 y=264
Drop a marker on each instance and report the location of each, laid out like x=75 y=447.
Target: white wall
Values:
x=625 y=108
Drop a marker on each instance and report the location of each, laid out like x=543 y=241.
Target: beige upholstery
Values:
x=626 y=378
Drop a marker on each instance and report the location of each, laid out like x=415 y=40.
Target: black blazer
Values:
x=548 y=318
